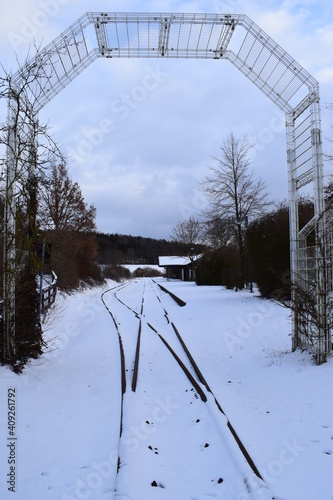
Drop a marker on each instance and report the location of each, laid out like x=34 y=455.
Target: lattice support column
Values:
x=293 y=222
x=320 y=255
x=9 y=238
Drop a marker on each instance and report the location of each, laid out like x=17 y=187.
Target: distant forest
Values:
x=115 y=249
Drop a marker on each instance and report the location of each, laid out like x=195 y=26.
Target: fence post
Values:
x=41 y=298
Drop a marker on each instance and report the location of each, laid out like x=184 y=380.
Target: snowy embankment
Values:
x=68 y=401
x=67 y=407
x=279 y=402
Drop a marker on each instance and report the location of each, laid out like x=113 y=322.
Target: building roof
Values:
x=174 y=260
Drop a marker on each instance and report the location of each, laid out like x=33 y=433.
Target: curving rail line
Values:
x=179 y=351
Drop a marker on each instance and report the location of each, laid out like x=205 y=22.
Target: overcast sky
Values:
x=143 y=175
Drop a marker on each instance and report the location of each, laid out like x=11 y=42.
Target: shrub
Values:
x=267 y=240
x=116 y=273
x=92 y=273
x=219 y=267
x=146 y=272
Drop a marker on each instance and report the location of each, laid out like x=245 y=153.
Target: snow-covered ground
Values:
x=68 y=402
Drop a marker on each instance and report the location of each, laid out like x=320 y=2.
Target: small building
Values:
x=180 y=268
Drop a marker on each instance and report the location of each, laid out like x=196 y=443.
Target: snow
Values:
x=68 y=402
x=174 y=260
x=47 y=280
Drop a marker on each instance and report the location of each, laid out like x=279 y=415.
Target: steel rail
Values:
x=204 y=382
x=197 y=384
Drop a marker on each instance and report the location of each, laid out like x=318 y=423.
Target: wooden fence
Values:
x=49 y=293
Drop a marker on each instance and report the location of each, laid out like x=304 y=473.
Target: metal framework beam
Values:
x=235 y=38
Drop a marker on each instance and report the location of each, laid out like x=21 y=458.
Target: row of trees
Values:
x=67 y=224
x=63 y=221
x=234 y=195
x=247 y=240
x=117 y=249
x=39 y=203
x=55 y=216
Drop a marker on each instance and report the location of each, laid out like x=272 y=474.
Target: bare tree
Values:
x=217 y=232
x=233 y=192
x=188 y=233
x=26 y=146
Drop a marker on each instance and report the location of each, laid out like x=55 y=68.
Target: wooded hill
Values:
x=118 y=249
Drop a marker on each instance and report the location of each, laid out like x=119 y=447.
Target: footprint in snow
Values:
x=219 y=481
x=159 y=485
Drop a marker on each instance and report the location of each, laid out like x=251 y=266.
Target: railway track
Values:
x=166 y=401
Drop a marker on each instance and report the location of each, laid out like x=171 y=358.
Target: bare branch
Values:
x=233 y=193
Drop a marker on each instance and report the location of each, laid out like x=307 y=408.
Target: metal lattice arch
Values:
x=235 y=38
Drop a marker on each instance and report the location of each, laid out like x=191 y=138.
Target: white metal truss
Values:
x=235 y=38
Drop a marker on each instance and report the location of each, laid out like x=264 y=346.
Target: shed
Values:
x=176 y=267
